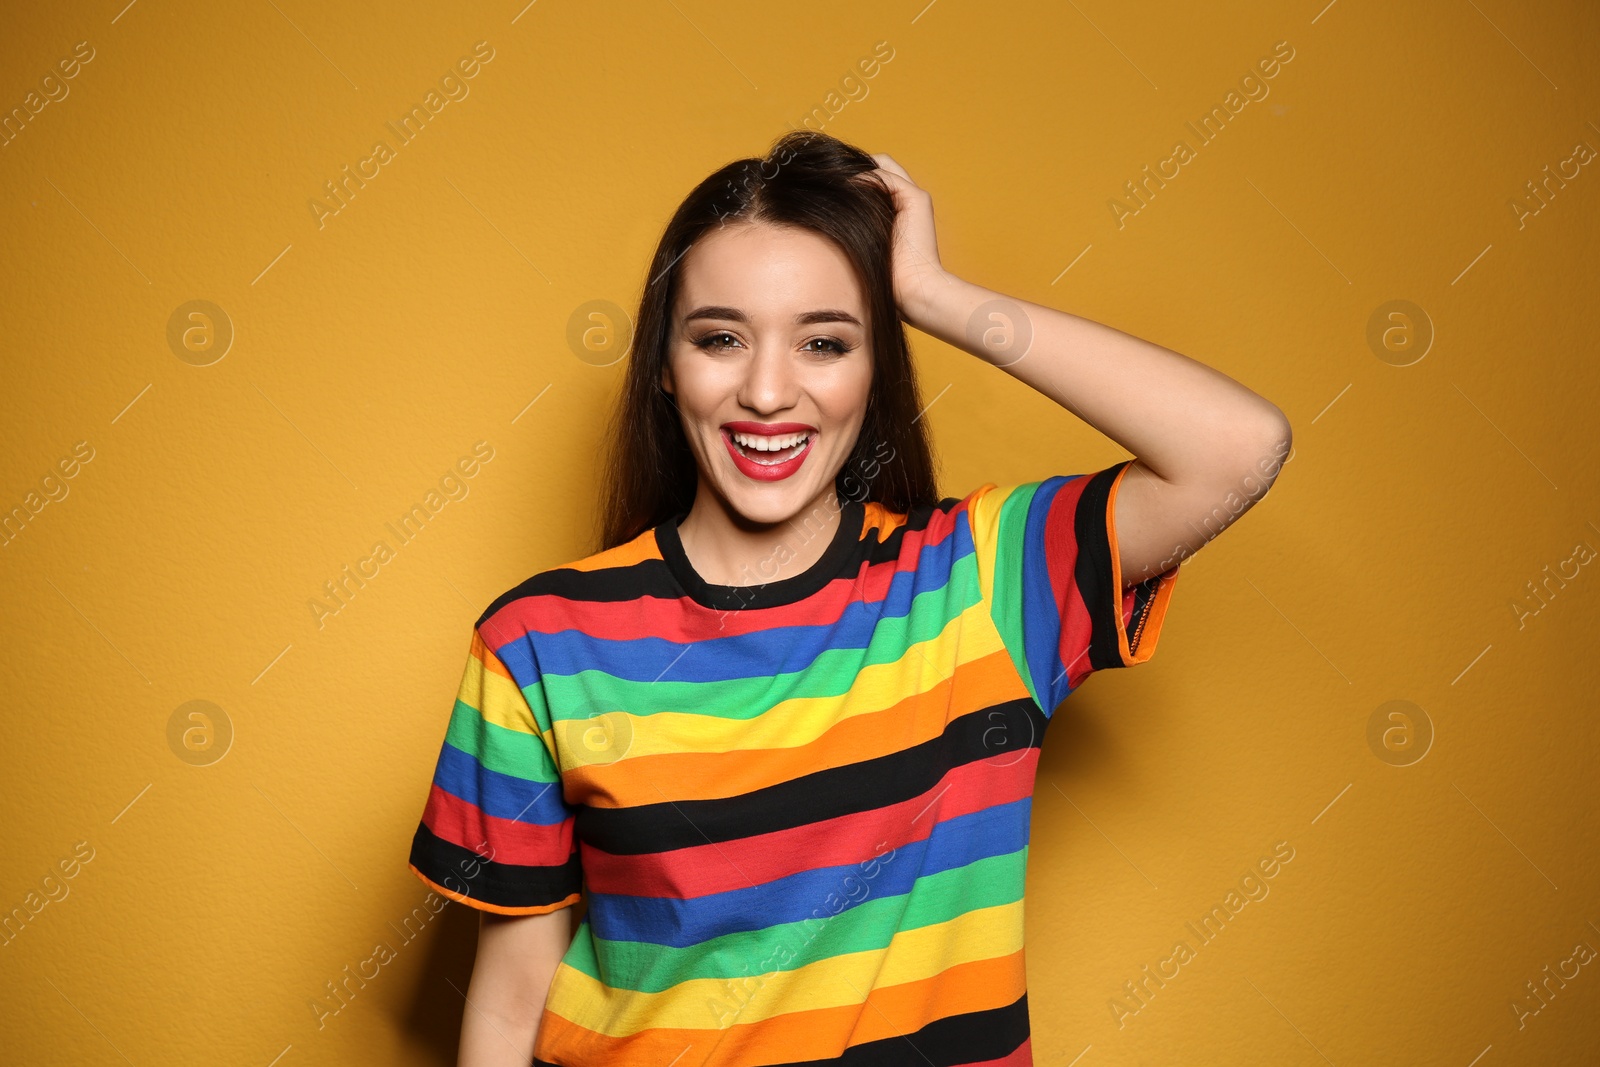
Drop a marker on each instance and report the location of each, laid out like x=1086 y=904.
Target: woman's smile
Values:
x=768 y=452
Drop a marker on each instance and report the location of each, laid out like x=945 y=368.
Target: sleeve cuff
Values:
x=1126 y=622
x=506 y=889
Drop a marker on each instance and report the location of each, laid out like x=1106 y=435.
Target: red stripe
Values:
x=1061 y=563
x=701 y=870
x=521 y=844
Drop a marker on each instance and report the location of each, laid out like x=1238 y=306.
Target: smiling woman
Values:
x=797 y=811
x=761 y=357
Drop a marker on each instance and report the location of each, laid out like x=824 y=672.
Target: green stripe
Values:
x=510 y=752
x=936 y=898
x=831 y=674
x=1006 y=605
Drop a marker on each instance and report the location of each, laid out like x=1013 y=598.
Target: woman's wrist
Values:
x=921 y=303
x=968 y=316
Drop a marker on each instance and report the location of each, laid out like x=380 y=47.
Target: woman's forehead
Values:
x=768 y=272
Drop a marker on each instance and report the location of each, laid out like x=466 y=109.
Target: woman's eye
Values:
x=835 y=347
x=829 y=346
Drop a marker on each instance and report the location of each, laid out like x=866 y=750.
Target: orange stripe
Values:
x=627 y=554
x=976 y=986
x=485 y=655
x=875 y=514
x=710 y=775
x=1149 y=628
x=800 y=1035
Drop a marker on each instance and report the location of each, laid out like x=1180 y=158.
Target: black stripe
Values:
x=1093 y=571
x=973 y=1037
x=506 y=884
x=647 y=578
x=1010 y=726
x=1142 y=595
x=654 y=577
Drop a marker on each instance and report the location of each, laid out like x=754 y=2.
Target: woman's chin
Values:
x=770 y=504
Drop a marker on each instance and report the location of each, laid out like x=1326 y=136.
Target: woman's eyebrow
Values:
x=805 y=318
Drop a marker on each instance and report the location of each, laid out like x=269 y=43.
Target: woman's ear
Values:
x=666 y=378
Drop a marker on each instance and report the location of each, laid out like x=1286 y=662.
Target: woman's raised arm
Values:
x=1206 y=448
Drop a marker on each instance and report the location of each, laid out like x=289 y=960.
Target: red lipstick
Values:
x=768 y=471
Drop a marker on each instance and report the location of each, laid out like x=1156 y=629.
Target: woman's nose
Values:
x=769 y=381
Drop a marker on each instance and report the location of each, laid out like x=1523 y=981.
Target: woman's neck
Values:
x=726 y=548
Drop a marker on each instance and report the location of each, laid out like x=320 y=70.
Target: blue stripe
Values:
x=1041 y=617
x=769 y=652
x=501 y=795
x=994 y=831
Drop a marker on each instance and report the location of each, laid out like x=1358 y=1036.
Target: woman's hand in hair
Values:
x=919 y=278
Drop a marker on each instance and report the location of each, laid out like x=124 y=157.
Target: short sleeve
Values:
x=496 y=832
x=1050 y=574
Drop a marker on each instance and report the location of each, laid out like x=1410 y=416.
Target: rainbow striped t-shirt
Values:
x=797 y=812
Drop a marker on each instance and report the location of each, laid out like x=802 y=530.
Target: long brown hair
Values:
x=803 y=181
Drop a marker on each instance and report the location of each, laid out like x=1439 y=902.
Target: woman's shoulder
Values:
x=886 y=520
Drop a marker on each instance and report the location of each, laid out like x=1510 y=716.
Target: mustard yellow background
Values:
x=374 y=347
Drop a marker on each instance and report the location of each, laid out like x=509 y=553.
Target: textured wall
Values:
x=222 y=386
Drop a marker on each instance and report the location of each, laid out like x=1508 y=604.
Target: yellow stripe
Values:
x=794 y=723
x=710 y=1003
x=500 y=700
x=983 y=519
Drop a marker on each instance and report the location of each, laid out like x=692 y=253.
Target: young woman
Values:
x=779 y=734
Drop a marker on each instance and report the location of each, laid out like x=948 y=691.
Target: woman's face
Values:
x=769 y=346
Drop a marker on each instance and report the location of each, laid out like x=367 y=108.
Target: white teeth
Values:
x=762 y=443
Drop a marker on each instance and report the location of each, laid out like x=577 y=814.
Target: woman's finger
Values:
x=898 y=184
x=887 y=162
